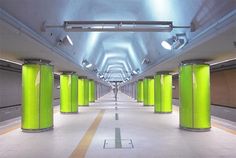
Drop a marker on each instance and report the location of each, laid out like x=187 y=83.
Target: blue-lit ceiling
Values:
x=116 y=54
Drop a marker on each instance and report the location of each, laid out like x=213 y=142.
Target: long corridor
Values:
x=117 y=78
x=117 y=129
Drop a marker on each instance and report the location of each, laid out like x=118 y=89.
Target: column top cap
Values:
x=149 y=77
x=82 y=77
x=140 y=80
x=163 y=73
x=68 y=73
x=37 y=61
x=194 y=61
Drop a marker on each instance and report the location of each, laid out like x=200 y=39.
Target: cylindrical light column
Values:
x=140 y=90
x=163 y=92
x=194 y=84
x=91 y=91
x=37 y=90
x=86 y=92
x=145 y=91
x=81 y=90
x=150 y=90
x=69 y=92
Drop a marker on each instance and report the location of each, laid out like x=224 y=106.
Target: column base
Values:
x=36 y=130
x=148 y=105
x=69 y=112
x=195 y=129
x=157 y=112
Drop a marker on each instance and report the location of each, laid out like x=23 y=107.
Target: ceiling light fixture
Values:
x=223 y=61
x=89 y=65
x=146 y=61
x=135 y=72
x=66 y=41
x=175 y=42
x=167 y=44
x=118 y=26
x=95 y=70
x=10 y=61
x=86 y=64
x=179 y=44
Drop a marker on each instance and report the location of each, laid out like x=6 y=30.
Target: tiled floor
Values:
x=152 y=135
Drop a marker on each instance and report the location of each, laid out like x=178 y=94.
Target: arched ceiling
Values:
x=117 y=54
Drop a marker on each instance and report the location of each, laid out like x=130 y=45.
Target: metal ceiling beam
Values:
x=118 y=26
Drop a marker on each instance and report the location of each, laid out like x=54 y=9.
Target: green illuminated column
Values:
x=69 y=92
x=86 y=92
x=81 y=90
x=194 y=84
x=151 y=91
x=137 y=87
x=163 y=93
x=145 y=92
x=91 y=91
x=141 y=91
x=37 y=90
x=148 y=91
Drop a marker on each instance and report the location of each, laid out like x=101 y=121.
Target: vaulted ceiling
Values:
x=115 y=55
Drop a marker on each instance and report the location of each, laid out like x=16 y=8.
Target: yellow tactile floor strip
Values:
x=214 y=124
x=17 y=125
x=10 y=128
x=217 y=125
x=81 y=149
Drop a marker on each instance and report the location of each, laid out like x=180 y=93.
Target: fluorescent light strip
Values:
x=9 y=61
x=224 y=61
x=69 y=39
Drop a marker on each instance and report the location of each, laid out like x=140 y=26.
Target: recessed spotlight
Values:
x=179 y=44
x=167 y=44
x=86 y=64
x=66 y=40
x=89 y=65
x=175 y=42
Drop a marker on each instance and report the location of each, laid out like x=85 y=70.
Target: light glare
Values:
x=166 y=45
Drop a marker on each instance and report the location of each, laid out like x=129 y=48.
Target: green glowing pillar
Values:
x=137 y=88
x=37 y=90
x=194 y=84
x=81 y=91
x=145 y=92
x=151 y=91
x=86 y=92
x=139 y=91
x=148 y=91
x=163 y=93
x=69 y=92
x=91 y=91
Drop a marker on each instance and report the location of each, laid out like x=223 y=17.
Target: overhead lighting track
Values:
x=118 y=26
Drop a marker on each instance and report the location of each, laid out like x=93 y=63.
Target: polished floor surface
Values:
x=121 y=129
